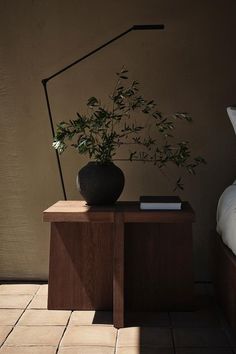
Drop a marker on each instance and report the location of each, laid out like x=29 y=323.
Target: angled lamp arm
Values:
x=46 y=80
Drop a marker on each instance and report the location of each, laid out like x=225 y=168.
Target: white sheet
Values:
x=226 y=217
x=232 y=115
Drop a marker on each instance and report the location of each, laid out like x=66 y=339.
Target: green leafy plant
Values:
x=104 y=129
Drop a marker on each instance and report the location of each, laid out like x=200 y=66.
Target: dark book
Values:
x=160 y=203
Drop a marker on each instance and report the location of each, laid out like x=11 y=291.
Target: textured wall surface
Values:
x=190 y=67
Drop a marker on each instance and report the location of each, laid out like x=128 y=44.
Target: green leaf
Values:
x=92 y=102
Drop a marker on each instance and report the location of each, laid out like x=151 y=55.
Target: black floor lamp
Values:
x=59 y=72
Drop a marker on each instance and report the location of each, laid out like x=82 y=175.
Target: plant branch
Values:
x=101 y=132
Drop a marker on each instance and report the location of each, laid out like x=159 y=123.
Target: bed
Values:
x=225 y=245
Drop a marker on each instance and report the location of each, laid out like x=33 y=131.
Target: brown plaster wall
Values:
x=190 y=66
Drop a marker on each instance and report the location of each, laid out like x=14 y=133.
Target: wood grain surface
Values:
x=71 y=211
x=80 y=271
x=158 y=267
x=118 y=271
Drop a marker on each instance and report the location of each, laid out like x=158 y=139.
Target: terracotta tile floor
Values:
x=27 y=327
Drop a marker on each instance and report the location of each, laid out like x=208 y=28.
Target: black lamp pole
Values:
x=45 y=81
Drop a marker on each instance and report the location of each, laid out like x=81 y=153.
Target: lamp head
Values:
x=148 y=27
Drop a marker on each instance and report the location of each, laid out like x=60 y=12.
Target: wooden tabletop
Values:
x=78 y=211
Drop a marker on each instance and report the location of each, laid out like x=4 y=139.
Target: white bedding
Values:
x=226 y=217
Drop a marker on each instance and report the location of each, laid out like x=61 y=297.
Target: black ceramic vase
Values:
x=100 y=184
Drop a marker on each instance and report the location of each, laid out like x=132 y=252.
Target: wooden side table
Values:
x=119 y=257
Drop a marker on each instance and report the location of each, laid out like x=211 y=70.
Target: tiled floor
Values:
x=27 y=327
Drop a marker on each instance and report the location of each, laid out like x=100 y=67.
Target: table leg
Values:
x=118 y=271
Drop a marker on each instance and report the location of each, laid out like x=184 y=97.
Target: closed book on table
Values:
x=160 y=203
